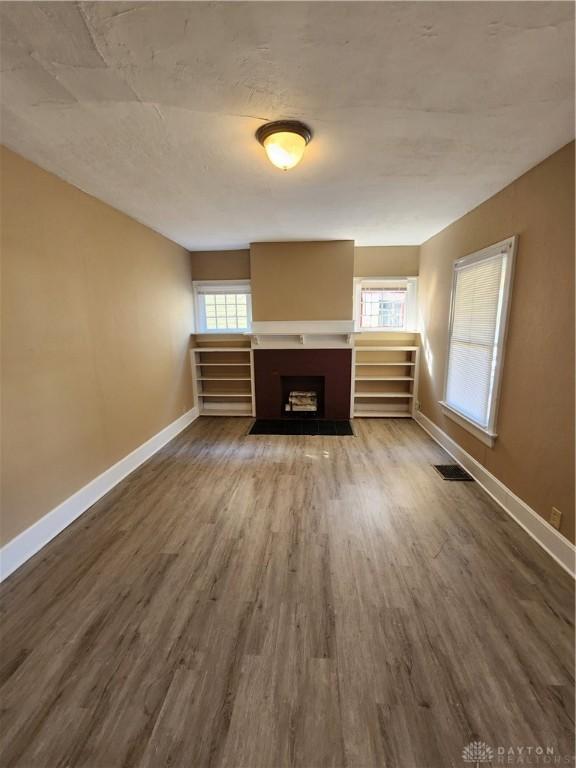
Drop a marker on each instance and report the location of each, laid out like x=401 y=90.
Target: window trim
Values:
x=411 y=313
x=219 y=286
x=486 y=434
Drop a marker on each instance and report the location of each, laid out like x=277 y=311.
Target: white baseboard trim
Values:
x=16 y=552
x=556 y=545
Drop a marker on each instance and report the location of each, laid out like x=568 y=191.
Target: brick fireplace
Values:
x=326 y=371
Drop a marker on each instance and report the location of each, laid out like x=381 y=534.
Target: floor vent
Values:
x=453 y=472
x=322 y=427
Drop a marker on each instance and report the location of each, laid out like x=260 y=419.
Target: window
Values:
x=479 y=310
x=386 y=304
x=223 y=306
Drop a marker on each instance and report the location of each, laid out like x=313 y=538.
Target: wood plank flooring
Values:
x=286 y=601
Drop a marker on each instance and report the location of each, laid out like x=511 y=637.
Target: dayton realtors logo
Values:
x=478 y=753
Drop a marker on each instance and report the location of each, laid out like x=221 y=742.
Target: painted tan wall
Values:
x=96 y=316
x=369 y=261
x=386 y=261
x=534 y=452
x=220 y=265
x=302 y=280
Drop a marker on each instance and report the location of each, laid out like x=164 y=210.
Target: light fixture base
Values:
x=283 y=126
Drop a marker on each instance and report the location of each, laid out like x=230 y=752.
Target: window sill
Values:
x=224 y=331
x=484 y=435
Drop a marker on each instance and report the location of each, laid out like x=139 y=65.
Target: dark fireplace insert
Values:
x=302 y=397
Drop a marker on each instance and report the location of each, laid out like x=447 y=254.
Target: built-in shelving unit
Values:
x=385 y=377
x=384 y=371
x=223 y=373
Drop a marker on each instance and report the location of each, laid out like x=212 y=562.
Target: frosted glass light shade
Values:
x=284 y=142
x=285 y=149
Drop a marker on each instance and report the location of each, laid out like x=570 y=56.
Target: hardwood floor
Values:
x=286 y=601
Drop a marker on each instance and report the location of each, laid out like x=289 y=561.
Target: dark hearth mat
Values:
x=301 y=427
x=453 y=472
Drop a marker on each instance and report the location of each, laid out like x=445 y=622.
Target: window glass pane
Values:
x=223 y=311
x=472 y=352
x=468 y=386
x=381 y=308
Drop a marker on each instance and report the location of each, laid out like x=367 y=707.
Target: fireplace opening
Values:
x=302 y=397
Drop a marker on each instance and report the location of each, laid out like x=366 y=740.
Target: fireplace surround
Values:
x=326 y=371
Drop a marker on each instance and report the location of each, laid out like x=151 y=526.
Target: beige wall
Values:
x=302 y=280
x=534 y=452
x=96 y=316
x=386 y=261
x=220 y=265
x=369 y=261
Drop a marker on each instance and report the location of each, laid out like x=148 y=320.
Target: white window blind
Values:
x=477 y=329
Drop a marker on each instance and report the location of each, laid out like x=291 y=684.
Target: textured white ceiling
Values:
x=419 y=110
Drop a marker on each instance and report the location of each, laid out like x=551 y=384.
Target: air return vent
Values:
x=453 y=472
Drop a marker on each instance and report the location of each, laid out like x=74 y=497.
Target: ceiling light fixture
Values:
x=284 y=142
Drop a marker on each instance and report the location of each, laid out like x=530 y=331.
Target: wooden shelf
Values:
x=221 y=349
x=383 y=394
x=382 y=414
x=397 y=362
x=385 y=349
x=239 y=399
x=384 y=378
x=375 y=402
x=224 y=412
x=224 y=394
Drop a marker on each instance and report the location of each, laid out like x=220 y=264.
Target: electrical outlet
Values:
x=555 y=518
